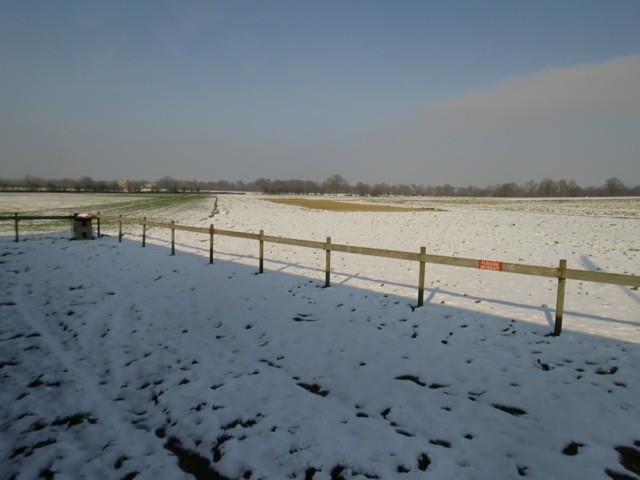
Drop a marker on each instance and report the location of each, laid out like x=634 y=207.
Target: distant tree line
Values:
x=335 y=184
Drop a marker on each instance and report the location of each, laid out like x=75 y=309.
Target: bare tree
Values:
x=613 y=186
x=547 y=188
x=336 y=184
x=362 y=189
x=169 y=184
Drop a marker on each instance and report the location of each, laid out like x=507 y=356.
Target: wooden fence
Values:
x=17 y=218
x=561 y=272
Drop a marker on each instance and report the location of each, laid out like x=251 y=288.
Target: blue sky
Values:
x=421 y=92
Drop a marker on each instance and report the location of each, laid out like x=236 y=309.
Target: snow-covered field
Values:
x=122 y=362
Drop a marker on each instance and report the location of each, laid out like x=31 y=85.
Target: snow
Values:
x=114 y=357
x=54 y=202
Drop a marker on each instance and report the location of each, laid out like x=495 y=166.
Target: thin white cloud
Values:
x=574 y=122
x=551 y=95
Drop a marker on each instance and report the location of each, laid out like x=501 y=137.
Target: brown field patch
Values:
x=340 y=206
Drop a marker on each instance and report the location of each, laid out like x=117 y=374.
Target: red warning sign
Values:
x=490 y=265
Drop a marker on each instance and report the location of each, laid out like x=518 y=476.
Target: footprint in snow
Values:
x=611 y=371
x=515 y=411
x=314 y=388
x=572 y=449
x=629 y=458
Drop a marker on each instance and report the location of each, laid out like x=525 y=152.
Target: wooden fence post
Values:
x=173 y=238
x=98 y=215
x=423 y=252
x=560 y=301
x=144 y=231
x=15 y=219
x=327 y=274
x=261 y=268
x=120 y=229
x=211 y=243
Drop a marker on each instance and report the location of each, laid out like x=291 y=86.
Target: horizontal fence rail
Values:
x=16 y=218
x=37 y=217
x=562 y=273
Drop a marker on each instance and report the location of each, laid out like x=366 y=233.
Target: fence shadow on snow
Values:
x=547 y=313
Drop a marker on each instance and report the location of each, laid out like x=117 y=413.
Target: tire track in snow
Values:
x=62 y=342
